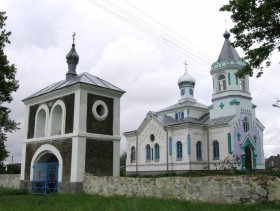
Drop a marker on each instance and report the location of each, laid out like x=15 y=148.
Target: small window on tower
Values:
x=191 y=91
x=242 y=84
x=246 y=125
x=182 y=91
x=222 y=83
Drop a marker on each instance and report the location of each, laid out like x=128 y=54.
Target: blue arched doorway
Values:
x=45 y=174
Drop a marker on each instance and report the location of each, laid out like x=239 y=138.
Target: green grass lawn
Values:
x=20 y=200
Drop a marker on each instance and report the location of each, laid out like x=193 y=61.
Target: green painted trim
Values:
x=238 y=136
x=229 y=144
x=248 y=143
x=229 y=80
x=222 y=105
x=236 y=80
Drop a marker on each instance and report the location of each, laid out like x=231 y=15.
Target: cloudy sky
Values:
x=138 y=45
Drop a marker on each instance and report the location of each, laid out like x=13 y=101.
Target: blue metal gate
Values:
x=45 y=178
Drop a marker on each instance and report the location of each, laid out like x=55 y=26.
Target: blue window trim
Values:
x=148 y=152
x=179 y=149
x=170 y=146
x=179 y=115
x=182 y=91
x=191 y=91
x=216 y=150
x=189 y=144
x=198 y=151
x=157 y=152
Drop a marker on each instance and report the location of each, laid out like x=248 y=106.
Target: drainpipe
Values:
x=166 y=151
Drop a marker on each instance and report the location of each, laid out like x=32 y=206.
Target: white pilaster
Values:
x=23 y=154
x=116 y=123
x=78 y=159
x=116 y=158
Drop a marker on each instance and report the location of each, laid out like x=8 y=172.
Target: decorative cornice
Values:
x=74 y=135
x=231 y=96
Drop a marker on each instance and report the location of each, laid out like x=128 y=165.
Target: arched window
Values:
x=148 y=152
x=222 y=83
x=179 y=150
x=216 y=153
x=41 y=122
x=229 y=143
x=132 y=155
x=170 y=146
x=182 y=91
x=245 y=125
x=242 y=84
x=57 y=118
x=156 y=152
x=198 y=151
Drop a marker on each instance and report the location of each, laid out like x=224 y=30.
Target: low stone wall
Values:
x=215 y=189
x=9 y=181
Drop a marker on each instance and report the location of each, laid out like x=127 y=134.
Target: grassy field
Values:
x=19 y=200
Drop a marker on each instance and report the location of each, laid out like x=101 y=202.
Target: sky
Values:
x=137 y=45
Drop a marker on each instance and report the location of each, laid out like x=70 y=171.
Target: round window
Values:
x=100 y=110
x=152 y=137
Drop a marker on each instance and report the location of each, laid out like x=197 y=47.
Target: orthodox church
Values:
x=191 y=136
x=72 y=128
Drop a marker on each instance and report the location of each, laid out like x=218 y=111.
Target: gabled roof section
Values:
x=85 y=78
x=169 y=121
x=183 y=104
x=228 y=52
x=219 y=120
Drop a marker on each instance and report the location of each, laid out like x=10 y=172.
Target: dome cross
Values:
x=186 y=65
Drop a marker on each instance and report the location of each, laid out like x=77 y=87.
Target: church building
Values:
x=191 y=136
x=72 y=128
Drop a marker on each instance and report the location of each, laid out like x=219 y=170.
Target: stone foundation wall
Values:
x=215 y=189
x=9 y=181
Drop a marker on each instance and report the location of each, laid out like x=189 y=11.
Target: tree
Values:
x=123 y=159
x=8 y=84
x=257 y=31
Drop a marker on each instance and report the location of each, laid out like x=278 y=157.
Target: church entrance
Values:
x=45 y=174
x=248 y=158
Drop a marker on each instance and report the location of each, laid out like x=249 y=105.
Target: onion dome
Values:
x=72 y=59
x=186 y=79
x=72 y=56
x=228 y=52
x=226 y=35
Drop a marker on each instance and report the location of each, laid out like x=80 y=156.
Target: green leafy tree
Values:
x=257 y=31
x=123 y=159
x=8 y=84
